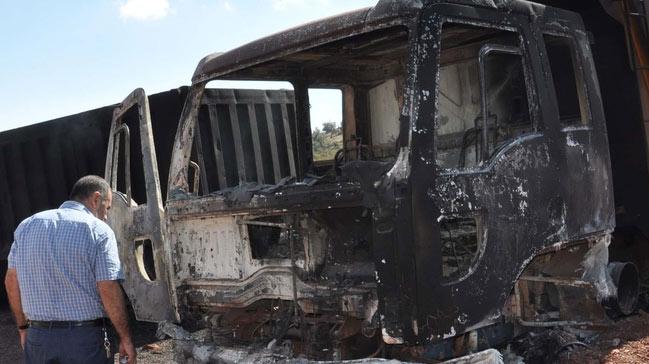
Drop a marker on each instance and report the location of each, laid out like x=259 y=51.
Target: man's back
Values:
x=63 y=281
x=56 y=256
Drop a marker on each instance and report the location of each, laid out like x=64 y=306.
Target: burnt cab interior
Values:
x=368 y=73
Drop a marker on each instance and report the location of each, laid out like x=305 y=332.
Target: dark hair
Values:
x=88 y=185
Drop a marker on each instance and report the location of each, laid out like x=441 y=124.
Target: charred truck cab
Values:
x=472 y=186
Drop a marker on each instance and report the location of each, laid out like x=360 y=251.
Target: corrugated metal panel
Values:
x=247 y=136
x=41 y=162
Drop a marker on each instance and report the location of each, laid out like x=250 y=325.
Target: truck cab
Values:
x=472 y=176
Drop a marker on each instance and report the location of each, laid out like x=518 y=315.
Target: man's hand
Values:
x=23 y=337
x=113 y=300
x=13 y=293
x=127 y=349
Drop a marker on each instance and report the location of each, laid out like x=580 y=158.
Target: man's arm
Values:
x=13 y=292
x=113 y=300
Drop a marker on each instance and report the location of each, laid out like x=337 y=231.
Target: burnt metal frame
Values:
x=152 y=301
x=413 y=312
x=401 y=15
x=137 y=98
x=415 y=306
x=122 y=129
x=321 y=197
x=536 y=120
x=435 y=311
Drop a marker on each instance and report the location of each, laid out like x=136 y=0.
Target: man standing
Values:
x=63 y=280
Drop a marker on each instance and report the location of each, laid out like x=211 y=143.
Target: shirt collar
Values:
x=74 y=205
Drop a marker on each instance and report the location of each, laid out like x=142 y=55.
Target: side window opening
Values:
x=369 y=70
x=127 y=157
x=568 y=80
x=469 y=84
x=326 y=110
x=371 y=125
x=508 y=108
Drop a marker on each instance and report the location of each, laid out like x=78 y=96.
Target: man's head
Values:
x=94 y=193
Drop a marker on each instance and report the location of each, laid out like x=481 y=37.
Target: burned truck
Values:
x=473 y=189
x=473 y=186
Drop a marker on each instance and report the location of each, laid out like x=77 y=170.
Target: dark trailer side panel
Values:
x=40 y=163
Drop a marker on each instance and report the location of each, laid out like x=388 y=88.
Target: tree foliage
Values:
x=327 y=141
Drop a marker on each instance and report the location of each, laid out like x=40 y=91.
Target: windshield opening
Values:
x=304 y=116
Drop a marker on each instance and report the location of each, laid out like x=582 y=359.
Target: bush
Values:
x=327 y=142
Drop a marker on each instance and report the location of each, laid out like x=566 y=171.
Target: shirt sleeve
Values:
x=13 y=255
x=108 y=267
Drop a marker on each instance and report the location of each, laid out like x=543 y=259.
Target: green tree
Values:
x=327 y=142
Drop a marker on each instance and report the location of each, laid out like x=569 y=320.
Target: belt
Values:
x=63 y=324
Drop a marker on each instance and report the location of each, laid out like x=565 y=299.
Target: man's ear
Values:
x=96 y=199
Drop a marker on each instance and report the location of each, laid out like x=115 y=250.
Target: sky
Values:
x=64 y=57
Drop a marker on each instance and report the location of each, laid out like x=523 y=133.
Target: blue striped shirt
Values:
x=59 y=256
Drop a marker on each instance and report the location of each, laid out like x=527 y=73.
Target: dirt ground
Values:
x=625 y=342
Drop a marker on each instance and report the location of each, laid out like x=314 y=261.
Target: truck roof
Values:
x=384 y=13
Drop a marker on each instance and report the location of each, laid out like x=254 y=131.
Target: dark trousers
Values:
x=70 y=345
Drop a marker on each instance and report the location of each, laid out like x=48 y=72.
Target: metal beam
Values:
x=216 y=139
